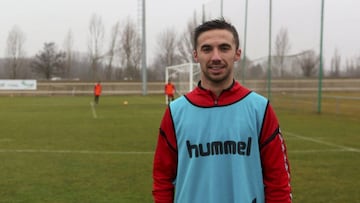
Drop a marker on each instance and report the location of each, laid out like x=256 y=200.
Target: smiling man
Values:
x=216 y=50
x=221 y=142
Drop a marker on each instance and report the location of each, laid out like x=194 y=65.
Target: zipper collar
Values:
x=212 y=94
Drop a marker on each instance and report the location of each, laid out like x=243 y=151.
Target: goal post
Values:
x=183 y=76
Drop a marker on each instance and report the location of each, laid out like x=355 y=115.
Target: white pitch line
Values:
x=71 y=151
x=310 y=151
x=341 y=147
x=93 y=109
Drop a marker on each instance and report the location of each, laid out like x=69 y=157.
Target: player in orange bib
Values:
x=97 y=92
x=170 y=91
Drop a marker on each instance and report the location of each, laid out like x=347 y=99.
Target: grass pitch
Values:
x=53 y=149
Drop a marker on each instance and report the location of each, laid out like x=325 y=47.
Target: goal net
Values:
x=183 y=76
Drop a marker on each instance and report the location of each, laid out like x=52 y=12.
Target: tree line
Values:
x=121 y=58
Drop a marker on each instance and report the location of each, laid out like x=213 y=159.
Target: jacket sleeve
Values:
x=165 y=162
x=274 y=160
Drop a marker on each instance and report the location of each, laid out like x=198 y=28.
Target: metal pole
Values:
x=269 y=57
x=244 y=54
x=321 y=57
x=203 y=13
x=221 y=8
x=144 y=77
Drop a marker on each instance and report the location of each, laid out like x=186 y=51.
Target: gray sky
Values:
x=50 y=20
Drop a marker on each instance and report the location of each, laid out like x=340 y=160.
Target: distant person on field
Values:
x=221 y=142
x=97 y=92
x=170 y=91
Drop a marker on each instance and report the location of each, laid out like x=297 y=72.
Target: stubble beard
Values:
x=218 y=79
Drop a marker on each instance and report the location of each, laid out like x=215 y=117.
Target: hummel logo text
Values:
x=219 y=148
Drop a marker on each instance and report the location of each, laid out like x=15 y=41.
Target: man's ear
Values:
x=195 y=55
x=237 y=54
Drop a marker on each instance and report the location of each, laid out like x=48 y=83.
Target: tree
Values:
x=255 y=71
x=186 y=42
x=95 y=41
x=130 y=50
x=168 y=47
x=167 y=54
x=49 y=62
x=68 y=46
x=353 y=67
x=335 y=64
x=112 y=49
x=80 y=66
x=15 y=52
x=282 y=48
x=308 y=62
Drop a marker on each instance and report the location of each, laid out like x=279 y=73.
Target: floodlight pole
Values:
x=245 y=35
x=269 y=57
x=221 y=8
x=143 y=41
x=321 y=57
x=203 y=14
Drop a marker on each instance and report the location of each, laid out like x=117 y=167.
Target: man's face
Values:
x=216 y=52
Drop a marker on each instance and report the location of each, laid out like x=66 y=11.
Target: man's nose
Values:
x=216 y=55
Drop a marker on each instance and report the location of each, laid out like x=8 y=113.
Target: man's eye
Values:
x=225 y=48
x=206 y=49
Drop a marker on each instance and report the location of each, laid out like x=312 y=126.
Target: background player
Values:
x=170 y=91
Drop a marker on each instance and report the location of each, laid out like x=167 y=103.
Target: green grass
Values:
x=53 y=149
x=325 y=168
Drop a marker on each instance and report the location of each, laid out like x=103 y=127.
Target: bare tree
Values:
x=282 y=48
x=168 y=53
x=335 y=64
x=49 y=62
x=255 y=71
x=112 y=49
x=68 y=46
x=80 y=66
x=167 y=48
x=353 y=67
x=186 y=43
x=130 y=50
x=95 y=41
x=308 y=62
x=15 y=52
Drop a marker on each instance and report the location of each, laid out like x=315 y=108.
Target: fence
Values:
x=293 y=86
x=76 y=88
x=340 y=96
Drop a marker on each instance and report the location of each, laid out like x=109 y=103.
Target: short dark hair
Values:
x=221 y=24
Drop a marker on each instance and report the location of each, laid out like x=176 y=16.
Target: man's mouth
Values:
x=216 y=67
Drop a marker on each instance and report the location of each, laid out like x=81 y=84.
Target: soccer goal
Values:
x=183 y=76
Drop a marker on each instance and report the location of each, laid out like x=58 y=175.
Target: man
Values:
x=170 y=91
x=221 y=142
x=97 y=92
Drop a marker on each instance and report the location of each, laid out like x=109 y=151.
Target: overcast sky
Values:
x=50 y=20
